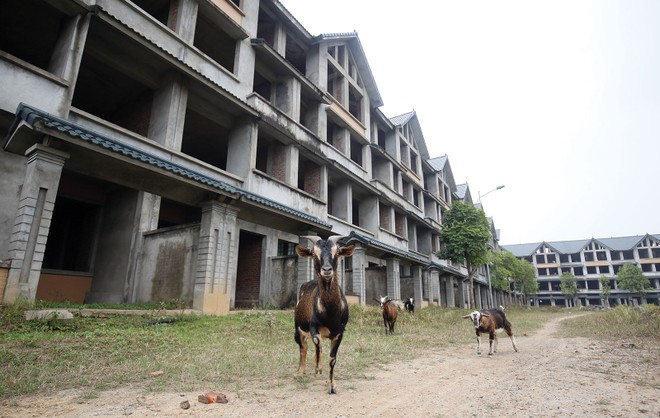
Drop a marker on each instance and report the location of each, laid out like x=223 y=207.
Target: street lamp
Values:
x=490 y=287
x=501 y=186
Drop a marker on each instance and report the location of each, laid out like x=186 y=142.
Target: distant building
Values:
x=588 y=260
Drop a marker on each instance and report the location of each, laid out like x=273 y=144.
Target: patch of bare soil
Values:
x=548 y=377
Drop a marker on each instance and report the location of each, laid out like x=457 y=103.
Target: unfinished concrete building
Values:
x=178 y=150
x=589 y=260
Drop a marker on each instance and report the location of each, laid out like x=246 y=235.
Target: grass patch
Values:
x=236 y=351
x=622 y=322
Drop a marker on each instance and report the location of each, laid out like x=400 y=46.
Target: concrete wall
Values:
x=166 y=269
x=283 y=290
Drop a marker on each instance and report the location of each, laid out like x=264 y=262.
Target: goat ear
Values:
x=346 y=251
x=303 y=251
x=466 y=316
x=485 y=314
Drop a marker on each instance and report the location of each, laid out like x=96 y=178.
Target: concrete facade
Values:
x=159 y=150
x=588 y=260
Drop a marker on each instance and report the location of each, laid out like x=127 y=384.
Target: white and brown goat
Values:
x=322 y=310
x=491 y=321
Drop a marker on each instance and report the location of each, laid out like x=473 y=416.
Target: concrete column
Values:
x=242 y=148
x=183 y=18
x=477 y=295
x=32 y=223
x=287 y=97
x=393 y=278
x=449 y=289
x=369 y=215
x=146 y=219
x=462 y=293
x=168 y=112
x=291 y=164
x=316 y=119
x=359 y=275
x=215 y=277
x=342 y=202
x=65 y=59
x=417 y=285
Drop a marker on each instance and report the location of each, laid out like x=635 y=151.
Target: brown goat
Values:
x=322 y=310
x=491 y=321
x=390 y=312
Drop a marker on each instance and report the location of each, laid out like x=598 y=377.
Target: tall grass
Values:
x=235 y=351
x=620 y=323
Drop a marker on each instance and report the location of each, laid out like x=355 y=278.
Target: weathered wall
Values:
x=167 y=266
x=283 y=292
x=114 y=248
x=376 y=284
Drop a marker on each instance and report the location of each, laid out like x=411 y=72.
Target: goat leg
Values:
x=492 y=340
x=302 y=343
x=332 y=389
x=317 y=354
x=478 y=342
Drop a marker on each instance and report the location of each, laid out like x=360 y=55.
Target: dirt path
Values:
x=549 y=377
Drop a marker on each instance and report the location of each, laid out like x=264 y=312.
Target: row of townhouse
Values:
x=179 y=150
x=588 y=260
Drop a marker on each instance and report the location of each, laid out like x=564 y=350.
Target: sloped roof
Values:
x=522 y=250
x=402 y=119
x=411 y=119
x=352 y=39
x=442 y=164
x=574 y=246
x=621 y=243
x=461 y=190
x=438 y=163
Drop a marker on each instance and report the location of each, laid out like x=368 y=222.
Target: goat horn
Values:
x=335 y=238
x=312 y=238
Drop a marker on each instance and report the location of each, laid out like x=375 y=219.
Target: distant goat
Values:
x=397 y=302
x=409 y=304
x=390 y=312
x=321 y=311
x=490 y=321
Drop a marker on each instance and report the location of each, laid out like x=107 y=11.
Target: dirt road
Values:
x=548 y=377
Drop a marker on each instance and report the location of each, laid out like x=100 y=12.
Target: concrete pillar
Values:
x=183 y=19
x=215 y=277
x=449 y=289
x=146 y=219
x=417 y=285
x=32 y=223
x=168 y=112
x=359 y=275
x=291 y=163
x=477 y=295
x=287 y=97
x=393 y=278
x=67 y=55
x=242 y=148
x=462 y=299
x=342 y=201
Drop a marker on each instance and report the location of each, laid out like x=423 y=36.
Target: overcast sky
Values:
x=557 y=100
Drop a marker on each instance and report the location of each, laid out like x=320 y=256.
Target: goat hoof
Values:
x=490 y=354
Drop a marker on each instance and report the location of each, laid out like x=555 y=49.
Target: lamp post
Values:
x=501 y=186
x=490 y=286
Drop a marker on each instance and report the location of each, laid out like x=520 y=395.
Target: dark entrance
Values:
x=248 y=275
